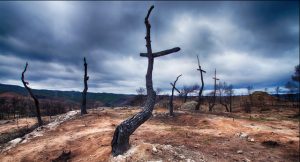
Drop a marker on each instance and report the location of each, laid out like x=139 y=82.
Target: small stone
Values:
x=239 y=151
x=247 y=160
x=243 y=135
x=252 y=140
x=181 y=156
x=214 y=154
x=154 y=149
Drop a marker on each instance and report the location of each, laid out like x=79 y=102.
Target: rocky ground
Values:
x=189 y=136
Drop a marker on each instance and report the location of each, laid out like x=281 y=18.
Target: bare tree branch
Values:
x=36 y=101
x=162 y=53
x=212 y=104
x=171 y=98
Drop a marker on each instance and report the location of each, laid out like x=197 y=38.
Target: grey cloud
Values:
x=54 y=37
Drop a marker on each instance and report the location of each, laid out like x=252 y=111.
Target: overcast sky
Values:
x=249 y=43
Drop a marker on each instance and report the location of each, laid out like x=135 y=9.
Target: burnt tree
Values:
x=85 y=79
x=225 y=95
x=171 y=98
x=36 y=101
x=120 y=141
x=212 y=104
x=202 y=85
x=186 y=90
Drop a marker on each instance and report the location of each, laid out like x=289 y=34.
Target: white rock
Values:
x=15 y=141
x=243 y=135
x=154 y=149
x=181 y=156
x=251 y=139
x=239 y=151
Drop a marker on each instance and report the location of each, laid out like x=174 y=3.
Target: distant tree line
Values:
x=18 y=107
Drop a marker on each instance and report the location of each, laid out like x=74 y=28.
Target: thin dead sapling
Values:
x=171 y=98
x=35 y=99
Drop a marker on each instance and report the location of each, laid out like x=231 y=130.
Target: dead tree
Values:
x=186 y=90
x=36 y=101
x=120 y=141
x=85 y=79
x=171 y=98
x=202 y=85
x=225 y=94
x=212 y=104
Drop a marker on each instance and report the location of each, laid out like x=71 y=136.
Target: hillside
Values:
x=108 y=99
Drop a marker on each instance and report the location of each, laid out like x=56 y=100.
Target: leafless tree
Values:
x=277 y=89
x=202 y=85
x=292 y=87
x=296 y=76
x=171 y=98
x=140 y=91
x=158 y=92
x=249 y=90
x=186 y=90
x=212 y=104
x=225 y=93
x=120 y=141
x=85 y=79
x=36 y=101
x=248 y=104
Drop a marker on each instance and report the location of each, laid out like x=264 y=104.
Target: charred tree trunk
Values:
x=36 y=101
x=185 y=97
x=85 y=79
x=120 y=141
x=225 y=105
x=202 y=86
x=171 y=98
x=215 y=90
x=230 y=103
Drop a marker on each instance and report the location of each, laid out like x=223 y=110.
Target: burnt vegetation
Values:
x=181 y=105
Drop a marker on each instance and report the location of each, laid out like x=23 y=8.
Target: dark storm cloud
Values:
x=54 y=37
x=274 y=25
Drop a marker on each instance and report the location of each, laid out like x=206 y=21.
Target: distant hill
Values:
x=109 y=99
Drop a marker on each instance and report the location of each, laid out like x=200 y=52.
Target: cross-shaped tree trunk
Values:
x=36 y=101
x=120 y=141
x=171 y=98
x=215 y=89
x=202 y=85
x=85 y=79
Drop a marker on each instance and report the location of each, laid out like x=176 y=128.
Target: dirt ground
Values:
x=189 y=136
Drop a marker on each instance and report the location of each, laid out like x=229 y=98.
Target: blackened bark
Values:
x=202 y=86
x=120 y=141
x=36 y=101
x=171 y=98
x=225 y=105
x=161 y=53
x=85 y=79
x=230 y=103
x=214 y=95
x=185 y=97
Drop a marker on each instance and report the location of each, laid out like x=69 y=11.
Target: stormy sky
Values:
x=249 y=43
